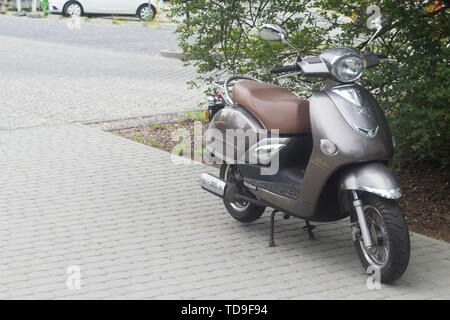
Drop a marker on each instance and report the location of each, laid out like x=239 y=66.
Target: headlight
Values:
x=349 y=68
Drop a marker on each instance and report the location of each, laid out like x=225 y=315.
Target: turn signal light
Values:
x=328 y=147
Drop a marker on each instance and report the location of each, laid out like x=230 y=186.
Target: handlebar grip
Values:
x=291 y=68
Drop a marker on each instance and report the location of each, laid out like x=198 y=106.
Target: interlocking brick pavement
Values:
x=129 y=37
x=139 y=226
x=50 y=83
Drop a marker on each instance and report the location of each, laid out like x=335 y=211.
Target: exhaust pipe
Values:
x=213 y=184
x=228 y=191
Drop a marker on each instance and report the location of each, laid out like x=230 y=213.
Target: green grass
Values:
x=152 y=24
x=180 y=149
x=152 y=143
x=118 y=22
x=158 y=127
x=203 y=151
x=197 y=115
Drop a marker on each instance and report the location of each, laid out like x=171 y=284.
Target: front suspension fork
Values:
x=358 y=204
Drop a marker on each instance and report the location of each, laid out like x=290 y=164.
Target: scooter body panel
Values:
x=234 y=120
x=342 y=128
x=372 y=177
x=348 y=116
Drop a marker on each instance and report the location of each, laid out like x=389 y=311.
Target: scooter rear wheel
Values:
x=242 y=211
x=390 y=237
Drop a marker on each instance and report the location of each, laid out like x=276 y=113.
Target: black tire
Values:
x=139 y=11
x=246 y=213
x=398 y=242
x=66 y=6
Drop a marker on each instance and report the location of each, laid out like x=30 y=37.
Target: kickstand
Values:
x=272 y=229
x=310 y=228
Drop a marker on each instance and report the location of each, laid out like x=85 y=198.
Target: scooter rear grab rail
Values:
x=227 y=83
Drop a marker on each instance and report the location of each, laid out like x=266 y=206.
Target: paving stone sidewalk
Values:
x=139 y=226
x=51 y=83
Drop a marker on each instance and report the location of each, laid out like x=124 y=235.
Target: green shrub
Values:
x=414 y=91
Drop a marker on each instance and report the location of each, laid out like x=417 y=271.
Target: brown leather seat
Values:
x=276 y=107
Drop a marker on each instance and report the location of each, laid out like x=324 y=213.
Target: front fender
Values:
x=372 y=177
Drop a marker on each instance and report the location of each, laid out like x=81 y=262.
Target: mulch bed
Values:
x=425 y=202
x=160 y=135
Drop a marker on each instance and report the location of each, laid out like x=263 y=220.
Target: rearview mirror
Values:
x=271 y=32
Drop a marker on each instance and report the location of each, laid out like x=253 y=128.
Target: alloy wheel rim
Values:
x=145 y=12
x=74 y=10
x=239 y=205
x=378 y=232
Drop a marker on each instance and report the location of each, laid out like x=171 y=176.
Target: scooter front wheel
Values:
x=242 y=211
x=390 y=237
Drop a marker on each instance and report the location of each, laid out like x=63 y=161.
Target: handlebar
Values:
x=291 y=68
x=381 y=56
x=373 y=59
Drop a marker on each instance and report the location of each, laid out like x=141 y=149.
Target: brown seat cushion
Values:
x=276 y=107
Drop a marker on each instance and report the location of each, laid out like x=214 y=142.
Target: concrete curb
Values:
x=16 y=14
x=136 y=122
x=34 y=15
x=179 y=54
x=171 y=54
x=100 y=20
x=53 y=16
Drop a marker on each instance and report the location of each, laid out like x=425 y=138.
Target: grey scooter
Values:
x=332 y=153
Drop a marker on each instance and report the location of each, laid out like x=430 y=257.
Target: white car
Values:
x=70 y=8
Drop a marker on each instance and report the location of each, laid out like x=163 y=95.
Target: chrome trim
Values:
x=265 y=150
x=388 y=194
x=335 y=62
x=332 y=56
x=369 y=133
x=211 y=100
x=372 y=254
x=358 y=205
x=213 y=184
x=226 y=92
x=265 y=153
x=249 y=185
x=372 y=177
x=350 y=93
x=268 y=148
